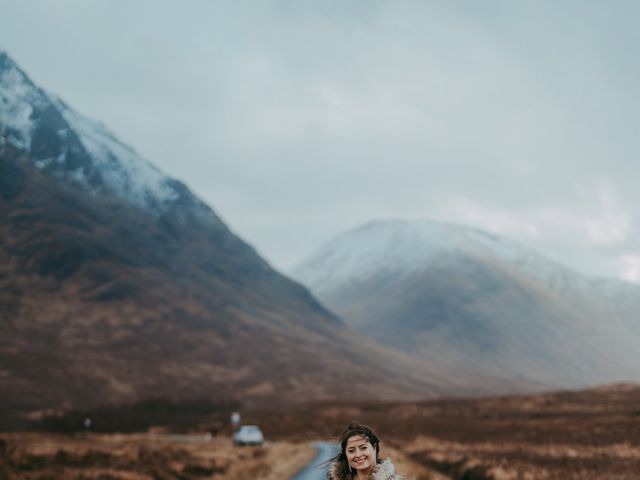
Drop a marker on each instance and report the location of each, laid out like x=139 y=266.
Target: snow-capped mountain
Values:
x=77 y=149
x=404 y=247
x=459 y=295
x=118 y=285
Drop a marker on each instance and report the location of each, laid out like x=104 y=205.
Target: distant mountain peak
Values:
x=403 y=247
x=394 y=246
x=459 y=295
x=79 y=150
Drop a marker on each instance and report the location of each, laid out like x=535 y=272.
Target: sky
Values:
x=297 y=120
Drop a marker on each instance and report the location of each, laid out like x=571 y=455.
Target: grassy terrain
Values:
x=160 y=457
x=143 y=456
x=591 y=434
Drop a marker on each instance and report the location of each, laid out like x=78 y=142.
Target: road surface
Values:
x=312 y=471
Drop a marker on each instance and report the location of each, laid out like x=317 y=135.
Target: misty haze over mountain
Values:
x=455 y=295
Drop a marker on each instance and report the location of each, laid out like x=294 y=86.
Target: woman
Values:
x=359 y=457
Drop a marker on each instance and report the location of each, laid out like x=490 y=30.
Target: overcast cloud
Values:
x=296 y=120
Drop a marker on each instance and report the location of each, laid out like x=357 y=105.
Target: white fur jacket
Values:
x=382 y=471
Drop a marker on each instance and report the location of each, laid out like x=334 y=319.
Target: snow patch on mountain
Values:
x=397 y=247
x=126 y=172
x=121 y=170
x=17 y=95
x=403 y=247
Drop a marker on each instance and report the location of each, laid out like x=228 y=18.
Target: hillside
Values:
x=454 y=295
x=118 y=285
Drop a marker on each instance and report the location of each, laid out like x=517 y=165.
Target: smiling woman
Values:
x=359 y=457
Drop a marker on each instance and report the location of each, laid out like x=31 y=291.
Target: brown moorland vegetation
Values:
x=161 y=456
x=591 y=434
x=145 y=457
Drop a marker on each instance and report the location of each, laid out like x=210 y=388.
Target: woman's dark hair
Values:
x=355 y=429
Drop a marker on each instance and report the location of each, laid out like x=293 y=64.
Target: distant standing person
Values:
x=235 y=420
x=359 y=457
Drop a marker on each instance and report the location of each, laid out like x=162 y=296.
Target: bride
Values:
x=359 y=457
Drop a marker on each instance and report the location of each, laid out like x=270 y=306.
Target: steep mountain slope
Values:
x=117 y=285
x=459 y=296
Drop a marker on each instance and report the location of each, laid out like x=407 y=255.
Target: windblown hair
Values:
x=354 y=429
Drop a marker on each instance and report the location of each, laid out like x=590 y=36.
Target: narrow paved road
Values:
x=312 y=471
